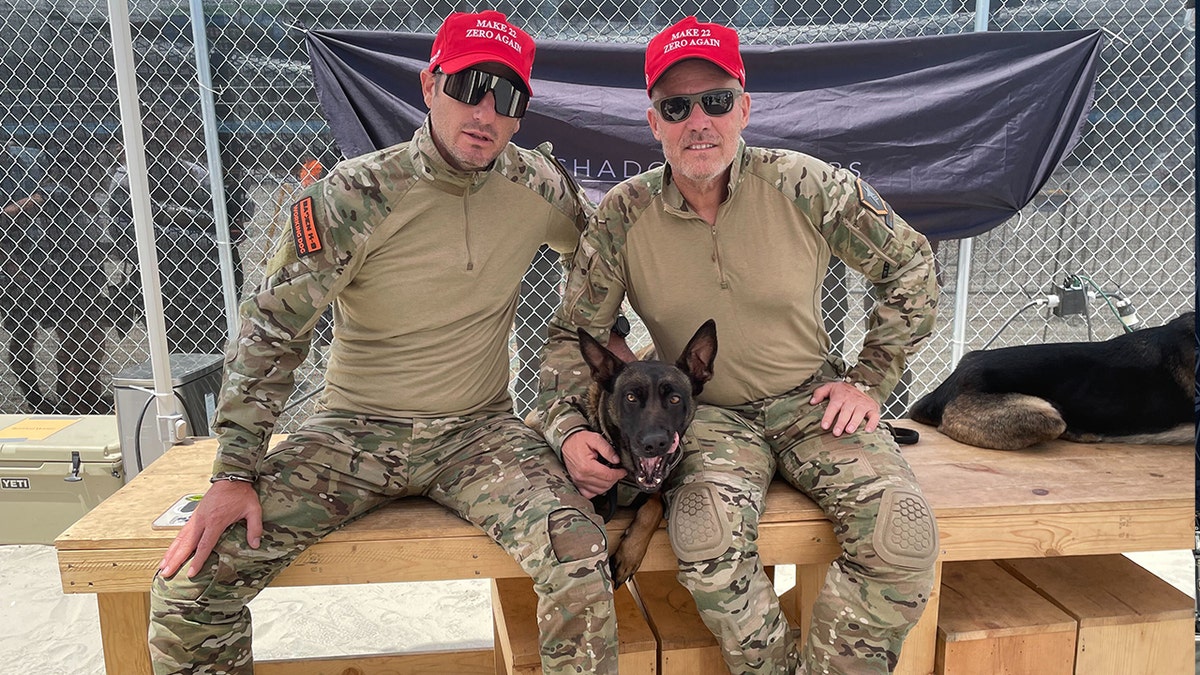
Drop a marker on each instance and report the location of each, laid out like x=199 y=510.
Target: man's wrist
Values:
x=858 y=384
x=621 y=327
x=232 y=477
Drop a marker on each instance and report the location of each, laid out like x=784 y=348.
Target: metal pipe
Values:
x=958 y=343
x=169 y=416
x=212 y=145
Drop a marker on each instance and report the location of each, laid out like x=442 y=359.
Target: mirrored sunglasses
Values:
x=715 y=102
x=469 y=86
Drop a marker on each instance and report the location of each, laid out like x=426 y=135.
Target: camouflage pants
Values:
x=874 y=592
x=489 y=469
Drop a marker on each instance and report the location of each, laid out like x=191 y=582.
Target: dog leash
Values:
x=901 y=435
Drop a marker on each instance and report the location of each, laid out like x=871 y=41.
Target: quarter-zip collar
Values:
x=432 y=166
x=673 y=200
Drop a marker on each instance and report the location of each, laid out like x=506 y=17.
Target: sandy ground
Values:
x=49 y=633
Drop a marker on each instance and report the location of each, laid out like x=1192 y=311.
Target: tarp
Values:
x=957 y=132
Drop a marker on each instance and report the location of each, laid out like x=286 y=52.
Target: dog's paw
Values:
x=622 y=568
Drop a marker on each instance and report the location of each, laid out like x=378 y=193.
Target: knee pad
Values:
x=905 y=531
x=573 y=536
x=699 y=528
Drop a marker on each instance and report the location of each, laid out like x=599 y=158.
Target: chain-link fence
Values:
x=1116 y=220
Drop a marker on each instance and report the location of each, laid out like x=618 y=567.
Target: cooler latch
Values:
x=76 y=462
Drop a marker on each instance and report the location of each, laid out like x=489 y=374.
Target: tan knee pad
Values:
x=699 y=529
x=905 y=531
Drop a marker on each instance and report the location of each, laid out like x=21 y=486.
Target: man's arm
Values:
x=274 y=339
x=591 y=301
x=863 y=231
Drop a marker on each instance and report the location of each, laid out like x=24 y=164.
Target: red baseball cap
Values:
x=690 y=39
x=466 y=40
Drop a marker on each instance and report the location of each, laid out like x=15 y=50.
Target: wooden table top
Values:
x=1057 y=498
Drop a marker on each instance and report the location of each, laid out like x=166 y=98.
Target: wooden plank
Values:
x=981 y=601
x=959 y=481
x=1047 y=654
x=1070 y=532
x=919 y=653
x=1130 y=621
x=465 y=662
x=1159 y=648
x=124 y=627
x=810 y=579
x=514 y=610
x=1103 y=590
x=114 y=549
x=685 y=645
x=638 y=646
x=962 y=538
x=989 y=623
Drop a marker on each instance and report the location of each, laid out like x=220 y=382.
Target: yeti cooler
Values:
x=54 y=469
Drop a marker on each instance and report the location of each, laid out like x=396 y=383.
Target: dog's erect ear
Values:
x=698 y=356
x=604 y=364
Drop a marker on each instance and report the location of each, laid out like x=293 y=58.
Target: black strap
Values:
x=606 y=504
x=904 y=436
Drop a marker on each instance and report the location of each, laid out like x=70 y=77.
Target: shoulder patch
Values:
x=304 y=228
x=870 y=199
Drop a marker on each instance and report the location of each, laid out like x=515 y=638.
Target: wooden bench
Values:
x=1057 y=499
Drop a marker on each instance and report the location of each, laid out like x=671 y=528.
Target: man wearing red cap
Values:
x=420 y=248
x=744 y=235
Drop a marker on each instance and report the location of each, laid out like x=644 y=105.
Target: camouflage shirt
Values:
x=422 y=264
x=757 y=271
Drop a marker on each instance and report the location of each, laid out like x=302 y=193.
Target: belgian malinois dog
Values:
x=1135 y=388
x=642 y=409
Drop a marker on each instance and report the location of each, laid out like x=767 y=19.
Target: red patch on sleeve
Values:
x=304 y=228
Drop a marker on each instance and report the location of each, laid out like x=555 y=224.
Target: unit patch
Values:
x=869 y=198
x=304 y=228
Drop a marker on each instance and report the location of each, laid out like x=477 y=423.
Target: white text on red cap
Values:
x=495 y=30
x=699 y=37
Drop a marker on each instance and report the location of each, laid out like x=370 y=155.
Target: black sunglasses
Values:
x=469 y=86
x=715 y=102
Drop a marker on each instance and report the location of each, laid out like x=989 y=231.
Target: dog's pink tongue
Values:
x=674 y=445
x=650 y=464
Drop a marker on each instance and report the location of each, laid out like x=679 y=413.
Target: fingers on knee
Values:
x=179 y=588
x=701 y=526
x=574 y=536
x=905 y=532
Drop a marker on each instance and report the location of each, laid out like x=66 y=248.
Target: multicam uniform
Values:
x=425 y=263
x=758 y=272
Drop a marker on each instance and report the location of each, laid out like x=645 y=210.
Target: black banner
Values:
x=957 y=132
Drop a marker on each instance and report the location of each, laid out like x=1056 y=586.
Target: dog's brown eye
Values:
x=631 y=398
x=675 y=399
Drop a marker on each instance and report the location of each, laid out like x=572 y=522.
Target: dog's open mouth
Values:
x=651 y=471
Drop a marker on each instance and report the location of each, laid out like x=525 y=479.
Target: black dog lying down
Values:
x=1134 y=388
x=642 y=409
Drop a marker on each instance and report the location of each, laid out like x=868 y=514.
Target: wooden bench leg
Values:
x=124 y=626
x=517 y=649
x=685 y=645
x=919 y=652
x=920 y=647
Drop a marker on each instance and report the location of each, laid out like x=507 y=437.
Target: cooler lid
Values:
x=52 y=438
x=184 y=369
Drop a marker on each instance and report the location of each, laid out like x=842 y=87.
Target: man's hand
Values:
x=848 y=406
x=581 y=452
x=225 y=503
